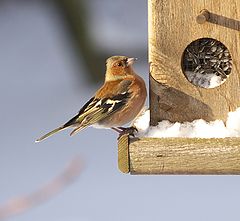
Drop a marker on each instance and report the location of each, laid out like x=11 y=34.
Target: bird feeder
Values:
x=194 y=50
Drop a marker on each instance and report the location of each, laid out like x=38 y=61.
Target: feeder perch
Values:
x=194 y=50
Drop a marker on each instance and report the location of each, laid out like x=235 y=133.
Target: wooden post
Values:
x=173 y=25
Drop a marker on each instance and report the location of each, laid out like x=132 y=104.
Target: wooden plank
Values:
x=184 y=156
x=172 y=26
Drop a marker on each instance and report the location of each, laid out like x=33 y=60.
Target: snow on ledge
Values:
x=198 y=128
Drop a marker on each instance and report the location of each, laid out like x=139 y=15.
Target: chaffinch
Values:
x=115 y=104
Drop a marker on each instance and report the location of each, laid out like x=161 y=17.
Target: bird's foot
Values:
x=126 y=130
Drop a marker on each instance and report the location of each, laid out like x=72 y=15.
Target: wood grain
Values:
x=172 y=26
x=123 y=153
x=184 y=156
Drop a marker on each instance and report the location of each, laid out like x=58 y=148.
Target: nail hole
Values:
x=206 y=63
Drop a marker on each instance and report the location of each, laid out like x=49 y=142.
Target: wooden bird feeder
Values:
x=188 y=39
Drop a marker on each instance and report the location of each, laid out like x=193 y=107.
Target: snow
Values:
x=198 y=128
x=205 y=81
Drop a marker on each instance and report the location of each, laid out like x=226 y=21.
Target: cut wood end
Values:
x=123 y=153
x=203 y=16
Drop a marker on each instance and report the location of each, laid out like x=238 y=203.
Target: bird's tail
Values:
x=77 y=129
x=52 y=133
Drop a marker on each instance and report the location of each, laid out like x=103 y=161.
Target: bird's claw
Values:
x=127 y=130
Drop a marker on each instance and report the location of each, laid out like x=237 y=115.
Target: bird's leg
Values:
x=117 y=129
x=125 y=130
x=122 y=128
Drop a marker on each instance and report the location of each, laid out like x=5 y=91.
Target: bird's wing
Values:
x=100 y=107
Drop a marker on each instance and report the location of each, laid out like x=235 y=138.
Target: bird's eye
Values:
x=119 y=64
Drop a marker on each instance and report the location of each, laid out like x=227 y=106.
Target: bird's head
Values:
x=118 y=67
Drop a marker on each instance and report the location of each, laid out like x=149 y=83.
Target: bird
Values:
x=118 y=102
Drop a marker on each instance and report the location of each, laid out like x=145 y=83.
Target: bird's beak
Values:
x=130 y=61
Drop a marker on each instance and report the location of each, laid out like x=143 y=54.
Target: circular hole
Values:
x=206 y=63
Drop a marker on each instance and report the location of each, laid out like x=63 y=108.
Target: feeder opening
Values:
x=206 y=63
